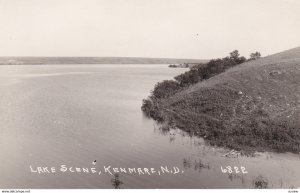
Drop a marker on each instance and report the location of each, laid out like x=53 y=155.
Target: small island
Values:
x=183 y=65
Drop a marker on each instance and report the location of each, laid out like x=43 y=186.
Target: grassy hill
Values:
x=94 y=60
x=251 y=106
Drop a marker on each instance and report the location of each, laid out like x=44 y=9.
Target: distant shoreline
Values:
x=92 y=60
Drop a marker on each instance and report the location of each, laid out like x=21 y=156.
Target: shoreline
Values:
x=236 y=109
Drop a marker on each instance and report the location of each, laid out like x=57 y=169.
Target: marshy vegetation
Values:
x=197 y=165
x=116 y=182
x=260 y=182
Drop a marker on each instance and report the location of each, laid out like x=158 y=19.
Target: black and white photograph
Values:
x=149 y=94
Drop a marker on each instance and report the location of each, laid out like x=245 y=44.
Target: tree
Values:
x=165 y=88
x=234 y=55
x=241 y=60
x=254 y=56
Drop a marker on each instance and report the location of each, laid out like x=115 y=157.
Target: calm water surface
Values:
x=74 y=114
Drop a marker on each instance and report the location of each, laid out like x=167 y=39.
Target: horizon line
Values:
x=104 y=57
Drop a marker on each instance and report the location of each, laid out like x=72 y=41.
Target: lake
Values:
x=53 y=115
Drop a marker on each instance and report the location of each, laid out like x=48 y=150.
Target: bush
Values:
x=188 y=78
x=213 y=67
x=254 y=56
x=260 y=182
x=150 y=107
x=165 y=88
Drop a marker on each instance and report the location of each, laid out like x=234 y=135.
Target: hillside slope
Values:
x=252 y=106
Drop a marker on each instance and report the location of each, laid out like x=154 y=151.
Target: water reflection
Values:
x=197 y=165
x=210 y=158
x=236 y=177
x=116 y=182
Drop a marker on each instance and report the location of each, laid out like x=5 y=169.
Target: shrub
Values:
x=213 y=67
x=254 y=56
x=150 y=107
x=165 y=88
x=188 y=78
x=260 y=182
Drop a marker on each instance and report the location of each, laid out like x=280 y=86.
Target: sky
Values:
x=201 y=29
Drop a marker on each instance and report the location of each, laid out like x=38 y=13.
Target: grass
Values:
x=260 y=182
x=254 y=106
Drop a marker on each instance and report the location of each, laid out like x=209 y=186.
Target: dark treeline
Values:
x=196 y=74
x=212 y=68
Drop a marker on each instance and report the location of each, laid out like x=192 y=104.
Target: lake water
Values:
x=53 y=115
